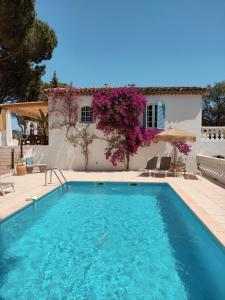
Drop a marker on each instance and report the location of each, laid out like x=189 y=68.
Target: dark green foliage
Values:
x=24 y=43
x=20 y=81
x=42 y=119
x=41 y=42
x=213 y=110
x=54 y=81
x=17 y=17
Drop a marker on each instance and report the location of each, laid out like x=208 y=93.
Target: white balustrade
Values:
x=212 y=167
x=213 y=133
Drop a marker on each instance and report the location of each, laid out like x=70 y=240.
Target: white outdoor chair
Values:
x=6 y=185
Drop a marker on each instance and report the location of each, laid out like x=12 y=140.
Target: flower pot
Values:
x=20 y=170
x=29 y=169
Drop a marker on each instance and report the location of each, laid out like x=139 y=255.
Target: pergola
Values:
x=26 y=109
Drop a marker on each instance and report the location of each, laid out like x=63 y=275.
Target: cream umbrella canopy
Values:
x=175 y=135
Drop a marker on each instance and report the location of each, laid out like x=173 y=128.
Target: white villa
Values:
x=167 y=107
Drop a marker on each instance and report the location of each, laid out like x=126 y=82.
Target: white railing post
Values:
x=213 y=133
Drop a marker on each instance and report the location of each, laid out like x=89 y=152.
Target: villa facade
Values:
x=167 y=107
x=174 y=107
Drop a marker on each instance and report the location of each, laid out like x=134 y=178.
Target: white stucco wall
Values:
x=182 y=111
x=212 y=147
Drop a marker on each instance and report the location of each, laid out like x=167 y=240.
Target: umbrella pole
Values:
x=174 y=154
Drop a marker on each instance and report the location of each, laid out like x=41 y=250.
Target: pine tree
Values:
x=25 y=42
x=54 y=82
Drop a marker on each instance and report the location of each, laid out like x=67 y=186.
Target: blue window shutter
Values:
x=144 y=117
x=160 y=115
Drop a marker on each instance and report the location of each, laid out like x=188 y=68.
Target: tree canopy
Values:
x=25 y=42
x=213 y=111
x=54 y=83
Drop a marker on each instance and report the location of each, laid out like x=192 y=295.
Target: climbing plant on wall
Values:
x=117 y=112
x=63 y=109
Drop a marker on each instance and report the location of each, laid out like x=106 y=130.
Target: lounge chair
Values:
x=5 y=185
x=150 y=166
x=164 y=167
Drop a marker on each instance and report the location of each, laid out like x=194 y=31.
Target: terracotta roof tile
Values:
x=181 y=90
x=154 y=90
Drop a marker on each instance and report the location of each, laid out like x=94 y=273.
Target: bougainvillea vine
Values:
x=64 y=111
x=182 y=146
x=117 y=112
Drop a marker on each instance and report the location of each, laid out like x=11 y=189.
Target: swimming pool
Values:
x=109 y=241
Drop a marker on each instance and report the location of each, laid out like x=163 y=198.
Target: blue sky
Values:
x=146 y=42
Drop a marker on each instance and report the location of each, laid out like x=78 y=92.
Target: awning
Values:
x=175 y=134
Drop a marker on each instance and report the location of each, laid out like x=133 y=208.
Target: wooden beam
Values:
x=3 y=120
x=28 y=109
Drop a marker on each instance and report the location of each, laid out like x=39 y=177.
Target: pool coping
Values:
x=31 y=203
x=209 y=223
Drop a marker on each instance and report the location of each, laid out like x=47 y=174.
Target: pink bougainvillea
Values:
x=118 y=108
x=117 y=111
x=183 y=147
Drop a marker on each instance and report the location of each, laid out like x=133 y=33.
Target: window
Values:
x=151 y=116
x=156 y=116
x=86 y=114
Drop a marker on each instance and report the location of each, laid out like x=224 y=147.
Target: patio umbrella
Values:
x=175 y=135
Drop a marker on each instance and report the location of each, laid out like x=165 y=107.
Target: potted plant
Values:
x=20 y=167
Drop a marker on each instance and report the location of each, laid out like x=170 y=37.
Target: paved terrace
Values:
x=204 y=197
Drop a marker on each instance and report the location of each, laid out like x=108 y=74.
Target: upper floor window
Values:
x=154 y=115
x=151 y=116
x=86 y=114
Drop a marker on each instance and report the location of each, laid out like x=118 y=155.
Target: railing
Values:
x=56 y=171
x=33 y=139
x=212 y=167
x=213 y=133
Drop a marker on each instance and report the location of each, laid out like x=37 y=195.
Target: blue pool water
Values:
x=111 y=241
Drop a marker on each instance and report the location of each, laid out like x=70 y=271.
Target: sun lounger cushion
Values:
x=29 y=161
